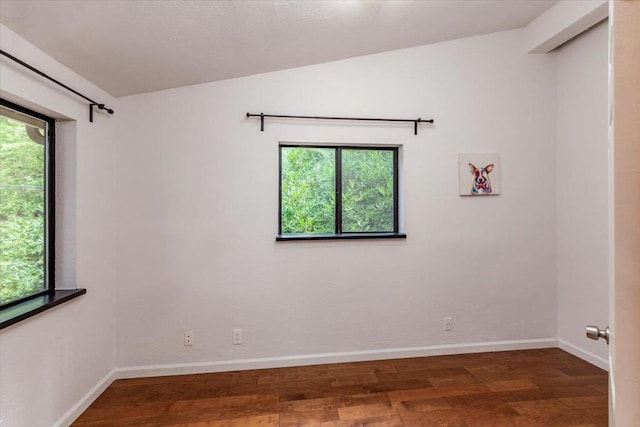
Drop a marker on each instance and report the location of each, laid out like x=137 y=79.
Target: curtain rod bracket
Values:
x=100 y=107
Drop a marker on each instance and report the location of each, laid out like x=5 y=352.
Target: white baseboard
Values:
x=86 y=400
x=584 y=355
x=323 y=358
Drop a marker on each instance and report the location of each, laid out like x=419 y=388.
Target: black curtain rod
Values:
x=368 y=119
x=92 y=103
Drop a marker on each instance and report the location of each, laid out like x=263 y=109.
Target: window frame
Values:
x=338 y=232
x=26 y=307
x=49 y=202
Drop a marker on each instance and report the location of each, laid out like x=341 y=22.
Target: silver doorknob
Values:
x=594 y=333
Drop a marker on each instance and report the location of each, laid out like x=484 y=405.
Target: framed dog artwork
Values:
x=479 y=174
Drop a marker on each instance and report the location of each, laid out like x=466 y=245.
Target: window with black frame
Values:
x=26 y=203
x=329 y=192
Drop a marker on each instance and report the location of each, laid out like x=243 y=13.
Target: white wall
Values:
x=50 y=362
x=197 y=213
x=582 y=168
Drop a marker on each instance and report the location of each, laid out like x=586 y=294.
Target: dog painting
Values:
x=479 y=174
x=480 y=184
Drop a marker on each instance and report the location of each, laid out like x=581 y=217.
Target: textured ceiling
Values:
x=128 y=47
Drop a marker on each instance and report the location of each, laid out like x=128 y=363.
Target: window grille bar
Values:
x=92 y=103
x=338 y=190
x=368 y=119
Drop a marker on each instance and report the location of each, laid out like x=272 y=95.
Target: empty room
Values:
x=319 y=213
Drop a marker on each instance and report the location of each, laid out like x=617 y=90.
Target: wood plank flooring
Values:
x=546 y=387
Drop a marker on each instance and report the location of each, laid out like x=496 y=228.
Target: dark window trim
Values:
x=23 y=308
x=339 y=234
x=347 y=236
x=36 y=304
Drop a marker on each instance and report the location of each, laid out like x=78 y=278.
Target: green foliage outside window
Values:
x=22 y=235
x=308 y=190
x=367 y=190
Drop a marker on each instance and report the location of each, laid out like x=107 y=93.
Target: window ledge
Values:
x=29 y=308
x=349 y=236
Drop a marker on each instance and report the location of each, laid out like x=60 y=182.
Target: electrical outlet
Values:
x=188 y=338
x=237 y=336
x=448 y=323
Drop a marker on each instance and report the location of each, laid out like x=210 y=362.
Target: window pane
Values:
x=308 y=190
x=367 y=190
x=22 y=206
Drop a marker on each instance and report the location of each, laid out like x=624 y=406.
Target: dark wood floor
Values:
x=547 y=387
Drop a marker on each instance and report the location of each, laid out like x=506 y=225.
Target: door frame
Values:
x=624 y=139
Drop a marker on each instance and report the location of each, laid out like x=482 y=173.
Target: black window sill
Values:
x=23 y=310
x=348 y=236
